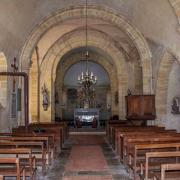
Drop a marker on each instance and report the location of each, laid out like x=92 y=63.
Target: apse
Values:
x=70 y=90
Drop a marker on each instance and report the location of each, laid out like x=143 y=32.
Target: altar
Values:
x=86 y=115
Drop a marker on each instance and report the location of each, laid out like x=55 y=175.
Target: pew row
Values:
x=132 y=144
x=168 y=171
x=148 y=171
x=10 y=167
x=137 y=154
x=38 y=150
x=26 y=159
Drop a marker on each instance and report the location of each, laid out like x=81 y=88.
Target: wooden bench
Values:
x=26 y=159
x=138 y=151
x=38 y=150
x=15 y=170
x=169 y=171
x=133 y=143
x=48 y=145
x=117 y=132
x=61 y=125
x=60 y=131
x=113 y=123
x=129 y=142
x=150 y=171
x=126 y=140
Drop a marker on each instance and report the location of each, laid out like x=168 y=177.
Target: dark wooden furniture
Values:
x=38 y=150
x=168 y=171
x=140 y=107
x=149 y=170
x=26 y=160
x=16 y=171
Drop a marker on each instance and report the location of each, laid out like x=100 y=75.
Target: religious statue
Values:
x=129 y=93
x=45 y=103
x=175 y=108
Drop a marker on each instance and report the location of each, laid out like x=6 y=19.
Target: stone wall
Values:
x=156 y=21
x=4 y=104
x=172 y=121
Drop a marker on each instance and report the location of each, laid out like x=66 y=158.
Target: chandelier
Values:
x=87 y=78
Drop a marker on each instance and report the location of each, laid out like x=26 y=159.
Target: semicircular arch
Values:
x=75 y=40
x=94 y=12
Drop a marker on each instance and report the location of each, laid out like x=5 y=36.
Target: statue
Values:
x=129 y=92
x=45 y=103
x=175 y=107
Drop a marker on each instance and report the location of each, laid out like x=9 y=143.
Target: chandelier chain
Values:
x=87 y=79
x=86 y=29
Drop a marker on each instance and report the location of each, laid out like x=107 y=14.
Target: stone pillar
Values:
x=162 y=86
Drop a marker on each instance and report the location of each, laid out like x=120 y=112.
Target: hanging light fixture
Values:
x=87 y=78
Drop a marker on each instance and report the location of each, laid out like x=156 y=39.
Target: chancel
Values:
x=89 y=89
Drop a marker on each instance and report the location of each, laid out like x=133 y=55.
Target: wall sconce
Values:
x=45 y=94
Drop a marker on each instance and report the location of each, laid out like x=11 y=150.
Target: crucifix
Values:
x=15 y=69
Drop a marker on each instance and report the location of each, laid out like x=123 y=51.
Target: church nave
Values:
x=86 y=157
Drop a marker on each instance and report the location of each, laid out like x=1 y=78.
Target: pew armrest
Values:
x=130 y=158
x=34 y=162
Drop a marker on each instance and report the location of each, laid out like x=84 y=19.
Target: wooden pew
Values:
x=156 y=138
x=141 y=136
x=114 y=123
x=22 y=154
x=117 y=132
x=48 y=145
x=125 y=140
x=138 y=151
x=50 y=141
x=129 y=141
x=154 y=155
x=60 y=131
x=38 y=150
x=47 y=139
x=52 y=125
x=169 y=171
x=16 y=171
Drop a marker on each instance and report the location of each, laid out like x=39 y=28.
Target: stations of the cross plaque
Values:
x=15 y=69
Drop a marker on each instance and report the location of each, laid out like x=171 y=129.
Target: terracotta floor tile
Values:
x=86 y=158
x=87 y=139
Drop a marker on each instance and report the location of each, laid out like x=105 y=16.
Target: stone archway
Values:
x=94 y=12
x=108 y=66
x=176 y=5
x=162 y=85
x=75 y=40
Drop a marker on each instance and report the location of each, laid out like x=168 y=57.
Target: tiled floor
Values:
x=86 y=157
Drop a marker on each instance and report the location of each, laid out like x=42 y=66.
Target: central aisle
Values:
x=86 y=160
x=86 y=157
